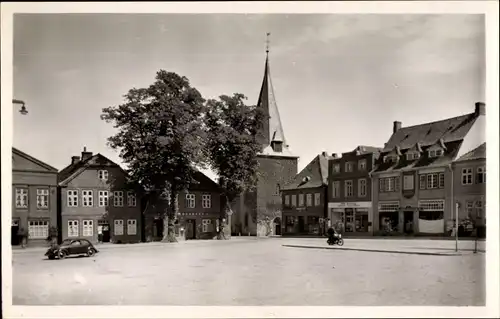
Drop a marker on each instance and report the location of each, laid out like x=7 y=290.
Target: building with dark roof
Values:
x=277 y=167
x=469 y=187
x=305 y=199
x=95 y=199
x=350 y=191
x=412 y=180
x=34 y=205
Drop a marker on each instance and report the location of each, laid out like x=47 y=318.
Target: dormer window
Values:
x=390 y=158
x=410 y=156
x=435 y=153
x=103 y=175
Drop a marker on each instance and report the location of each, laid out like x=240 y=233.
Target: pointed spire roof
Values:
x=272 y=130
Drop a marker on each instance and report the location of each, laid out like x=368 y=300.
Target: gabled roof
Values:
x=449 y=130
x=71 y=171
x=34 y=160
x=363 y=149
x=477 y=153
x=315 y=174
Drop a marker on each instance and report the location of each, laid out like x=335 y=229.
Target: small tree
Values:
x=232 y=146
x=160 y=138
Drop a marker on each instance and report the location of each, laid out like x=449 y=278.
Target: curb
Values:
x=379 y=250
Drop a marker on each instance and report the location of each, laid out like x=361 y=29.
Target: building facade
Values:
x=94 y=198
x=469 y=188
x=412 y=181
x=34 y=198
x=259 y=212
x=199 y=212
x=304 y=200
x=350 y=191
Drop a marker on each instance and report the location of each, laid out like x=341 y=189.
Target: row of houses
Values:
x=416 y=183
x=90 y=197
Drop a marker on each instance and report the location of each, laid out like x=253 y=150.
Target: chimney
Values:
x=480 y=108
x=75 y=159
x=396 y=127
x=334 y=155
x=86 y=155
x=324 y=153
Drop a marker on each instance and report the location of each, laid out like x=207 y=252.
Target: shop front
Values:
x=388 y=217
x=351 y=217
x=431 y=216
x=303 y=225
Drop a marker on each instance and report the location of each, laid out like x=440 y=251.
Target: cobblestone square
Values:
x=251 y=272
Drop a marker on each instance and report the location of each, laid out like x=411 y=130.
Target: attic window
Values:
x=103 y=175
x=435 y=153
x=410 y=156
x=390 y=159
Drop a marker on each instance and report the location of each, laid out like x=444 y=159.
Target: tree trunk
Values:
x=169 y=219
x=225 y=227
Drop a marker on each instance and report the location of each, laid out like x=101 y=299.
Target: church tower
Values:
x=277 y=167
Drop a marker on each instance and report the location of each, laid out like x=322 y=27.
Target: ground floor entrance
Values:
x=103 y=231
x=351 y=217
x=408 y=227
x=191 y=229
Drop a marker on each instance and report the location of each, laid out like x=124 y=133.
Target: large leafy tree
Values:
x=160 y=138
x=232 y=147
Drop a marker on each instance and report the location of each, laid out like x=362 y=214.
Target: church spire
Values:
x=271 y=133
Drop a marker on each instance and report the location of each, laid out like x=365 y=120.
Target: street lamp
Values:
x=23 y=109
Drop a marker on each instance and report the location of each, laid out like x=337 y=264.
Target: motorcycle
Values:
x=335 y=240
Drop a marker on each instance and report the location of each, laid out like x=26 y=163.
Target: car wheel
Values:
x=91 y=252
x=63 y=254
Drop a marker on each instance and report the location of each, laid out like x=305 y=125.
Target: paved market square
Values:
x=257 y=272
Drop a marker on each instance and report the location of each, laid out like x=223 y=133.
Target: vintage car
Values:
x=75 y=246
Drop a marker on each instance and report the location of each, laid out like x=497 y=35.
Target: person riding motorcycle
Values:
x=333 y=235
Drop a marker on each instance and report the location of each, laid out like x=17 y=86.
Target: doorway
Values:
x=277 y=226
x=14 y=230
x=408 y=222
x=191 y=229
x=301 y=224
x=158 y=229
x=106 y=230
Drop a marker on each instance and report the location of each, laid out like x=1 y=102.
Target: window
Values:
x=287 y=200
x=294 y=200
x=118 y=198
x=481 y=175
x=131 y=199
x=88 y=228
x=362 y=165
x=479 y=209
x=72 y=198
x=349 y=167
x=469 y=207
x=336 y=189
x=389 y=184
x=317 y=199
x=435 y=153
x=87 y=199
x=348 y=189
x=38 y=229
x=431 y=205
x=21 y=197
x=103 y=175
x=410 y=156
x=397 y=182
x=132 y=227
x=381 y=185
x=190 y=200
x=118 y=226
x=309 y=200
x=422 y=181
x=205 y=224
x=278 y=189
x=432 y=181
x=441 y=180
x=362 y=187
x=390 y=158
x=103 y=198
x=388 y=206
x=42 y=198
x=206 y=201
x=408 y=182
x=336 y=168
x=301 y=200
x=73 y=228
x=466 y=176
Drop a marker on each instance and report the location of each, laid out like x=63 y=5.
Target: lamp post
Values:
x=23 y=109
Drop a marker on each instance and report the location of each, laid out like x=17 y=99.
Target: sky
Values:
x=340 y=80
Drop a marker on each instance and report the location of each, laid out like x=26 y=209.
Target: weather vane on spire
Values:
x=267 y=42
